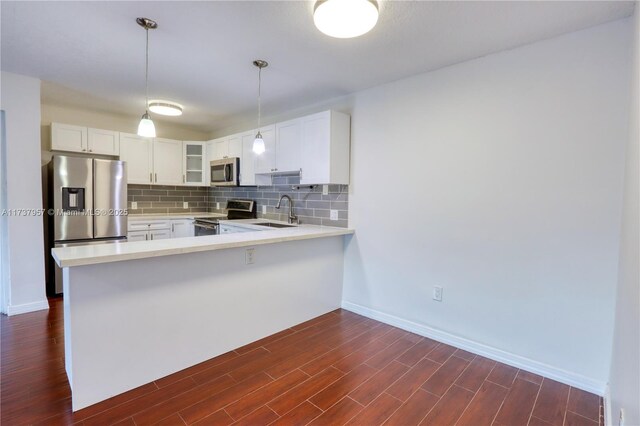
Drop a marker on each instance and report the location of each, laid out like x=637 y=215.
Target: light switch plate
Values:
x=264 y=209
x=217 y=206
x=325 y=189
x=333 y=214
x=134 y=205
x=185 y=205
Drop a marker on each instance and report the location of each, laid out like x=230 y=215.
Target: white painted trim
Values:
x=27 y=307
x=527 y=364
x=608 y=418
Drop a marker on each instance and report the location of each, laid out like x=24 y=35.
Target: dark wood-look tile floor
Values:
x=340 y=368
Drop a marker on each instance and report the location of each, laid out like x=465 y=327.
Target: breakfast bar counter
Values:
x=135 y=312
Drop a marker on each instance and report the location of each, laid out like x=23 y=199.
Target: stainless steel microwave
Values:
x=225 y=172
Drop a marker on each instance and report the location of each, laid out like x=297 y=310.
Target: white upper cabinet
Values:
x=325 y=148
x=266 y=162
x=138 y=153
x=167 y=167
x=235 y=146
x=194 y=163
x=65 y=137
x=105 y=142
x=288 y=142
x=248 y=160
x=220 y=148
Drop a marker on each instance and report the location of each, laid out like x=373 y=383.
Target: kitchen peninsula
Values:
x=138 y=311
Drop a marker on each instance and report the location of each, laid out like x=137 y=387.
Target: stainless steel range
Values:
x=236 y=209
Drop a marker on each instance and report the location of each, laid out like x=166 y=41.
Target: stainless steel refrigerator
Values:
x=89 y=201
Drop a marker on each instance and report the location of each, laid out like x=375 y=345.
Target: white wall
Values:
x=625 y=362
x=499 y=179
x=20 y=99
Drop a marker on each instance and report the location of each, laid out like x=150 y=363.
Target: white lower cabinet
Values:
x=140 y=230
x=182 y=228
x=137 y=236
x=159 y=234
x=150 y=230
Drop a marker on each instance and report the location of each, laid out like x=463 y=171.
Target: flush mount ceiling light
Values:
x=165 y=108
x=258 y=142
x=345 y=18
x=146 y=128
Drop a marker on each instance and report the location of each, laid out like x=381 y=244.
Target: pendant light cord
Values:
x=146 y=73
x=259 y=94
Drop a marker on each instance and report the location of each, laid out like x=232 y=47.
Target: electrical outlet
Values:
x=437 y=293
x=621 y=419
x=134 y=205
x=185 y=205
x=325 y=189
x=249 y=256
x=333 y=214
x=217 y=206
x=264 y=209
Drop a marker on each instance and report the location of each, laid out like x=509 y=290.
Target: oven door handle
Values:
x=201 y=225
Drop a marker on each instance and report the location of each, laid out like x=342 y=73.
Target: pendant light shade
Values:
x=258 y=142
x=345 y=18
x=146 y=128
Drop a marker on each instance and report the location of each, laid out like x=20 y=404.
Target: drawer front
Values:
x=148 y=225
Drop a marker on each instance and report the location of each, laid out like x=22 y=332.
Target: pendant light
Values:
x=258 y=142
x=146 y=128
x=345 y=18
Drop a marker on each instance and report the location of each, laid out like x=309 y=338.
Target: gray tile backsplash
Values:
x=167 y=199
x=310 y=205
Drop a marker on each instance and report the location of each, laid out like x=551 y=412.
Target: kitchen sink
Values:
x=274 y=225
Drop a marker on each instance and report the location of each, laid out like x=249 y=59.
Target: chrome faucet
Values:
x=292 y=218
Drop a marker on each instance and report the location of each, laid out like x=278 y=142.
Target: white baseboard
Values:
x=572 y=379
x=27 y=307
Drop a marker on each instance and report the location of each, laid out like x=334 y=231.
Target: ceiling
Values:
x=91 y=54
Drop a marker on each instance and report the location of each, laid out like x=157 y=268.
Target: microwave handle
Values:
x=227 y=172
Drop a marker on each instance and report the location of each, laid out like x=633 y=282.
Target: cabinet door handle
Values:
x=84 y=150
x=151 y=236
x=90 y=150
x=172 y=228
x=150 y=177
x=156 y=177
x=146 y=237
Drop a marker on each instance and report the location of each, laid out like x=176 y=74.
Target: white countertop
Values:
x=165 y=216
x=117 y=252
